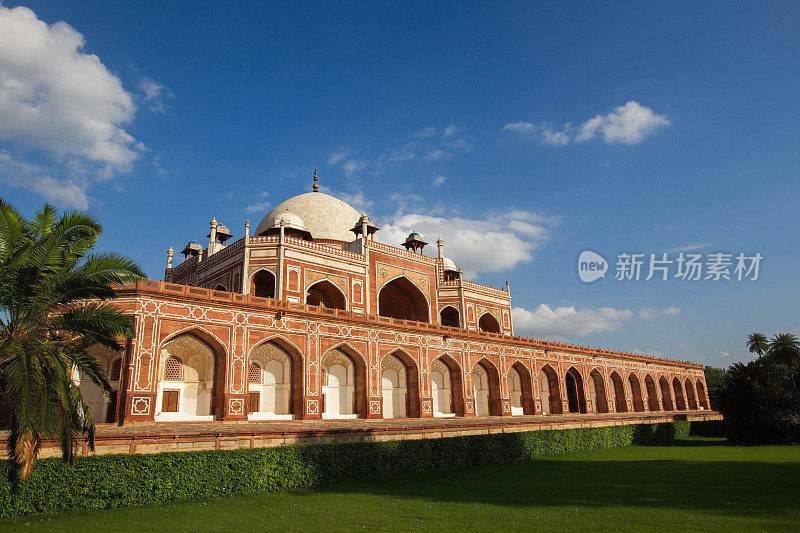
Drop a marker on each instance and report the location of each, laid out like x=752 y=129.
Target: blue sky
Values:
x=523 y=133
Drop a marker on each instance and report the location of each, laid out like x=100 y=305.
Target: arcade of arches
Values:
x=191 y=378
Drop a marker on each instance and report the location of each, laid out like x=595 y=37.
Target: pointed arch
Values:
x=346 y=367
x=701 y=394
x=620 y=402
x=281 y=393
x=576 y=399
x=221 y=287
x=449 y=316
x=262 y=284
x=326 y=294
x=597 y=388
x=452 y=397
x=525 y=404
x=680 y=401
x=549 y=392
x=666 y=395
x=486 y=388
x=401 y=298
x=489 y=323
x=198 y=393
x=636 y=392
x=691 y=399
x=400 y=385
x=652 y=394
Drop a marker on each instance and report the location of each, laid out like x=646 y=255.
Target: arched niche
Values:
x=486 y=389
x=666 y=395
x=652 y=393
x=262 y=284
x=102 y=409
x=449 y=316
x=343 y=384
x=549 y=392
x=400 y=298
x=520 y=390
x=680 y=402
x=191 y=378
x=620 y=403
x=691 y=400
x=636 y=392
x=447 y=389
x=701 y=393
x=597 y=390
x=399 y=386
x=326 y=294
x=576 y=399
x=274 y=386
x=488 y=323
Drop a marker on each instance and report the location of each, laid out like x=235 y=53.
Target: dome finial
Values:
x=315 y=188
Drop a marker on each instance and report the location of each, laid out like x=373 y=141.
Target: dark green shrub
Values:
x=708 y=428
x=108 y=481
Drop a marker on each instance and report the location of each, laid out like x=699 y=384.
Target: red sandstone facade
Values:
x=306 y=292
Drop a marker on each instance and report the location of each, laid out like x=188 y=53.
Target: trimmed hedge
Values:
x=108 y=481
x=708 y=428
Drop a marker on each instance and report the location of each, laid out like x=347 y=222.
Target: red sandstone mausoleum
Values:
x=311 y=318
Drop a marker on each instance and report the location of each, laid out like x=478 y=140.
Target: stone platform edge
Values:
x=158 y=438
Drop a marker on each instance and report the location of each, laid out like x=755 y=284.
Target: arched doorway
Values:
x=487 y=322
x=652 y=394
x=520 y=390
x=263 y=284
x=273 y=382
x=620 y=404
x=575 y=396
x=343 y=385
x=449 y=317
x=680 y=402
x=220 y=287
x=326 y=294
x=100 y=408
x=690 y=397
x=192 y=378
x=666 y=395
x=549 y=392
x=486 y=389
x=701 y=393
x=597 y=389
x=447 y=388
x=402 y=299
x=399 y=386
x=636 y=392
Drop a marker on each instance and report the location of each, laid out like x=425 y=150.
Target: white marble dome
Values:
x=325 y=217
x=449 y=264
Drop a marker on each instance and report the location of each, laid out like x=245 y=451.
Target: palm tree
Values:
x=53 y=296
x=757 y=344
x=785 y=348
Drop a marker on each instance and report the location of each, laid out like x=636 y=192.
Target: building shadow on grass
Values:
x=742 y=488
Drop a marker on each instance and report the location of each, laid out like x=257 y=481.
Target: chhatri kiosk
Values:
x=309 y=317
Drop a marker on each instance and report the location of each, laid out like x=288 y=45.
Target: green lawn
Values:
x=698 y=484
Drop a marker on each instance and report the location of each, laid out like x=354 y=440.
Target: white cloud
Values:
x=691 y=247
x=421 y=147
x=261 y=206
x=60 y=104
x=626 y=124
x=491 y=244
x=649 y=313
x=725 y=354
x=356 y=198
x=154 y=94
x=438 y=181
x=566 y=322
